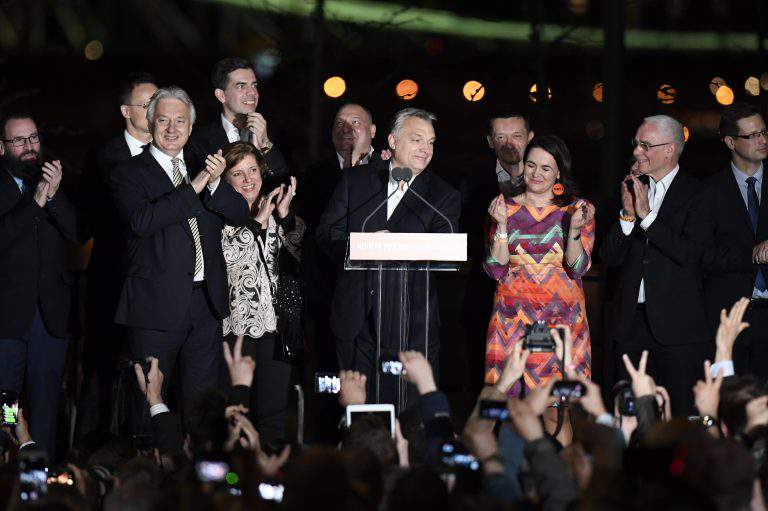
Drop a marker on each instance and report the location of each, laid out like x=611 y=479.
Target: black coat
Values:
x=32 y=259
x=359 y=192
x=668 y=257
x=161 y=252
x=210 y=138
x=729 y=271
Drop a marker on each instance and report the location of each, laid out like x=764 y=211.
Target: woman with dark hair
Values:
x=539 y=248
x=252 y=254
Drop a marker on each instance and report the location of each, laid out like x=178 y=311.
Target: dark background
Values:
x=44 y=69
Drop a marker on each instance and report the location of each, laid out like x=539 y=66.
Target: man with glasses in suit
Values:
x=736 y=261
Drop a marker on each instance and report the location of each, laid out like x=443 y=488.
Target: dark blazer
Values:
x=358 y=193
x=32 y=259
x=210 y=138
x=318 y=271
x=109 y=255
x=668 y=256
x=161 y=252
x=728 y=268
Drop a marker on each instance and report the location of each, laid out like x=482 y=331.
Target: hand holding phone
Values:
x=9 y=408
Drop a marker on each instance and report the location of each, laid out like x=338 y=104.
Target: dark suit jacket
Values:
x=161 y=252
x=32 y=259
x=729 y=271
x=109 y=255
x=668 y=256
x=319 y=272
x=210 y=138
x=359 y=192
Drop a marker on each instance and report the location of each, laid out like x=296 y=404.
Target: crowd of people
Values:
x=215 y=267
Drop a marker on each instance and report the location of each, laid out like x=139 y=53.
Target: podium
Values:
x=382 y=252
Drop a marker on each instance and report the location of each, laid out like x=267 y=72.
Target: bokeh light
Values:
x=666 y=94
x=407 y=89
x=94 y=50
x=534 y=97
x=686 y=133
x=597 y=92
x=473 y=91
x=715 y=83
x=752 y=86
x=334 y=86
x=724 y=95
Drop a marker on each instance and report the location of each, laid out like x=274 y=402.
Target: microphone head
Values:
x=407 y=174
x=397 y=174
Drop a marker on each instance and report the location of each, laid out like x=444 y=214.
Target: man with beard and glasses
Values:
x=509 y=134
x=35 y=220
x=236 y=88
x=106 y=269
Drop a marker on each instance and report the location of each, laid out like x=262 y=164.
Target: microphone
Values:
x=398 y=174
x=407 y=176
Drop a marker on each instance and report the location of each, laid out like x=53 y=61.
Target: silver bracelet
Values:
x=500 y=236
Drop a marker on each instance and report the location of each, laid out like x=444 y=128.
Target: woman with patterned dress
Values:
x=251 y=253
x=539 y=248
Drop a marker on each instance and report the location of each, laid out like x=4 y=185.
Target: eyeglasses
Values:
x=753 y=136
x=20 y=141
x=646 y=146
x=143 y=105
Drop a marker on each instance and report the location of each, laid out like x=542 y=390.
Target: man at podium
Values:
x=370 y=195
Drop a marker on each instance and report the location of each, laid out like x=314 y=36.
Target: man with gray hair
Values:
x=658 y=242
x=175 y=291
x=358 y=194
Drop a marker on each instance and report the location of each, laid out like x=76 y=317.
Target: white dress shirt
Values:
x=135 y=146
x=501 y=173
x=392 y=185
x=233 y=134
x=741 y=181
x=363 y=161
x=165 y=162
x=656 y=193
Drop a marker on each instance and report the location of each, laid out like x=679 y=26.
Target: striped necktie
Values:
x=177 y=181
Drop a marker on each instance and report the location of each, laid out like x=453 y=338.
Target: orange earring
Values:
x=558 y=188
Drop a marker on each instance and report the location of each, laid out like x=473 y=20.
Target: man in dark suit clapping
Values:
x=175 y=291
x=658 y=243
x=35 y=219
x=106 y=270
x=735 y=263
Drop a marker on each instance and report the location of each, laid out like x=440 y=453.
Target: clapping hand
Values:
x=731 y=325
x=284 y=198
x=240 y=368
x=265 y=207
x=642 y=384
x=641 y=205
x=52 y=175
x=215 y=164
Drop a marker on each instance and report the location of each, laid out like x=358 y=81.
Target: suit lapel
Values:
x=675 y=196
x=159 y=181
x=378 y=180
x=735 y=202
x=762 y=215
x=10 y=189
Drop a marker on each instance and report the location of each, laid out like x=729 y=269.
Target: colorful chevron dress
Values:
x=537 y=285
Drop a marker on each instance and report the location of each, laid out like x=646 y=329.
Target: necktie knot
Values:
x=751 y=180
x=175 y=162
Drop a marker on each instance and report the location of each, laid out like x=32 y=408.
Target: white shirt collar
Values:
x=501 y=172
x=135 y=146
x=366 y=159
x=233 y=134
x=742 y=176
x=666 y=181
x=165 y=161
